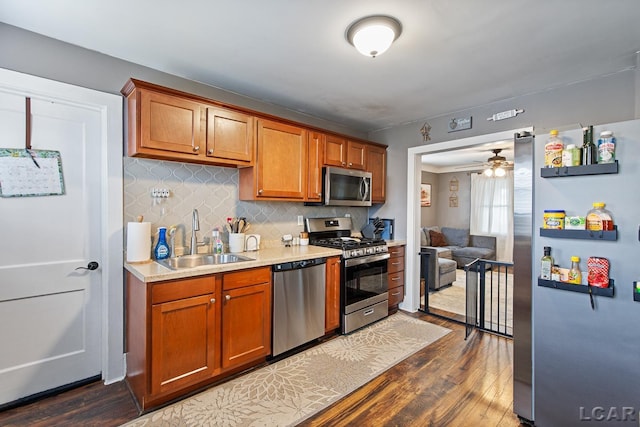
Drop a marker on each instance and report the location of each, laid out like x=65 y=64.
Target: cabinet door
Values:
x=377 y=165
x=335 y=151
x=246 y=324
x=332 y=295
x=314 y=166
x=282 y=161
x=170 y=123
x=184 y=347
x=230 y=136
x=356 y=155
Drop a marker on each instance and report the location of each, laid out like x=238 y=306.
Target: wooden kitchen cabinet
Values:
x=395 y=271
x=280 y=172
x=332 y=295
x=171 y=125
x=183 y=334
x=315 y=156
x=230 y=135
x=377 y=165
x=344 y=153
x=246 y=316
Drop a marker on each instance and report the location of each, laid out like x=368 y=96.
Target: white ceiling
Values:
x=451 y=55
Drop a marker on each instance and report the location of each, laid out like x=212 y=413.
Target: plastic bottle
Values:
x=606 y=147
x=575 y=275
x=161 y=250
x=599 y=218
x=571 y=155
x=553 y=150
x=589 y=149
x=217 y=247
x=546 y=264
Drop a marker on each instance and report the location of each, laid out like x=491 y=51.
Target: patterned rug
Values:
x=293 y=389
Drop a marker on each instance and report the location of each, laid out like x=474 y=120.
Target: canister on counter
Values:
x=553 y=219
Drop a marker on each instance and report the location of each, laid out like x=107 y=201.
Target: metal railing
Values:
x=489 y=297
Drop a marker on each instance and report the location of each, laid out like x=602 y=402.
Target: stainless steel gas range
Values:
x=363 y=279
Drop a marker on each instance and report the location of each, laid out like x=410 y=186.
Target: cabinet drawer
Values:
x=395 y=265
x=396 y=295
x=240 y=279
x=183 y=288
x=396 y=251
x=396 y=279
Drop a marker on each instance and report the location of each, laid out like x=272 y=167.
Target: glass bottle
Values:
x=553 y=150
x=589 y=149
x=161 y=250
x=575 y=275
x=546 y=264
x=599 y=218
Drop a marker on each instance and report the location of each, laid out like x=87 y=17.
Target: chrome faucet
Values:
x=195 y=226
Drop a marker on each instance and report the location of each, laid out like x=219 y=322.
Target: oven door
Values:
x=364 y=282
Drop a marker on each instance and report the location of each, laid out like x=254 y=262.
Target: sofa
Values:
x=449 y=248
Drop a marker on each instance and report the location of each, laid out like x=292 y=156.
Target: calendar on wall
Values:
x=27 y=172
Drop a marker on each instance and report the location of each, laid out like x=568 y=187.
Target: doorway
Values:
x=61 y=273
x=415 y=154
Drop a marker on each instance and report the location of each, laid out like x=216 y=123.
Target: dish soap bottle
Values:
x=546 y=264
x=575 y=275
x=217 y=243
x=161 y=251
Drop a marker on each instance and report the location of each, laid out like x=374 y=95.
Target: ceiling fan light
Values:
x=500 y=171
x=373 y=35
x=488 y=172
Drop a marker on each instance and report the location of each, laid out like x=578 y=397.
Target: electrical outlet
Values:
x=300 y=220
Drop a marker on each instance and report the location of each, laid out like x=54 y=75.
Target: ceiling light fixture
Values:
x=373 y=35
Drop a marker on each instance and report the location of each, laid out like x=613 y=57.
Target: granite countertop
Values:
x=151 y=271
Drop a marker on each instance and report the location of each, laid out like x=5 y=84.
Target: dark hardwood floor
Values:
x=452 y=382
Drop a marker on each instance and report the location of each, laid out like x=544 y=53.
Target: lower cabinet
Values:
x=182 y=334
x=332 y=295
x=395 y=270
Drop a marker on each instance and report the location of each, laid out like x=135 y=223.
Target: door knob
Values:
x=91 y=266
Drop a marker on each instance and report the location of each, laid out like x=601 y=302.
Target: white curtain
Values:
x=492 y=211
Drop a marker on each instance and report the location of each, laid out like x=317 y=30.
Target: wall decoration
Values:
x=26 y=172
x=424 y=130
x=505 y=115
x=425 y=195
x=460 y=123
x=453 y=192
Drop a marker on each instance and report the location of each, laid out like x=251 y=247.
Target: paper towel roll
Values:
x=138 y=241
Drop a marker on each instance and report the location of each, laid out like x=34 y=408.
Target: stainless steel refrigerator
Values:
x=584 y=358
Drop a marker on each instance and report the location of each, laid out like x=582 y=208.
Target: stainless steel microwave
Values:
x=346 y=187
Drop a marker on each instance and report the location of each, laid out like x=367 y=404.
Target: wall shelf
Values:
x=597 y=169
x=580 y=234
x=605 y=292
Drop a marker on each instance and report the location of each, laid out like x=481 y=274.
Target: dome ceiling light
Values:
x=373 y=35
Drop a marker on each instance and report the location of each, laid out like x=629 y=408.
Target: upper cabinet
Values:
x=344 y=153
x=170 y=125
x=278 y=159
x=281 y=169
x=377 y=165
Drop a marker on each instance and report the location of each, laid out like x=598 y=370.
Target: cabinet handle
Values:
x=210 y=151
x=260 y=191
x=343 y=163
x=213 y=300
x=319 y=194
x=395 y=278
x=395 y=293
x=196 y=148
x=395 y=263
x=227 y=297
x=350 y=164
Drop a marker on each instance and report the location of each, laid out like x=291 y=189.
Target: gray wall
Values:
x=603 y=100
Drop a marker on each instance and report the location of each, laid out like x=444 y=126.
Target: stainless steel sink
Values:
x=190 y=261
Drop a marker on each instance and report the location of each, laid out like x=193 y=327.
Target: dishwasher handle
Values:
x=297 y=265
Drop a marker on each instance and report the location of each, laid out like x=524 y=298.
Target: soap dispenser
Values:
x=217 y=243
x=161 y=251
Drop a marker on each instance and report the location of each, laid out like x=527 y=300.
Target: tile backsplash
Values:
x=214 y=192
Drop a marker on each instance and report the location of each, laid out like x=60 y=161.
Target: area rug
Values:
x=293 y=389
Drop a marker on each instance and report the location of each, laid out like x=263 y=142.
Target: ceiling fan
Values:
x=497 y=164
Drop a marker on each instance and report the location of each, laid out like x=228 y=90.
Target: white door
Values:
x=50 y=312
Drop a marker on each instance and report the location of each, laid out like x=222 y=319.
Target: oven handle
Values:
x=365 y=259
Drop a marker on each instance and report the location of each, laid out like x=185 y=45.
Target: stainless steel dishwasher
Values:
x=298 y=303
